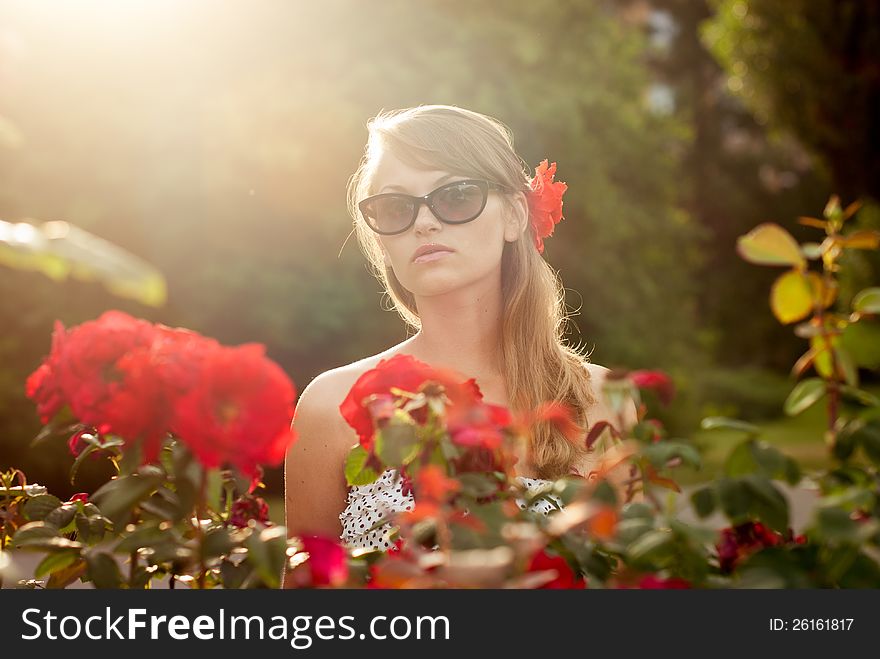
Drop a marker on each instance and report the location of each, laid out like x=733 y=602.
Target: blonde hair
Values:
x=537 y=364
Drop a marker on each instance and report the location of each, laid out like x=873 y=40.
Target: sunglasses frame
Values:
x=428 y=200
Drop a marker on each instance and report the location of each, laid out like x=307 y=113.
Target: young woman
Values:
x=453 y=227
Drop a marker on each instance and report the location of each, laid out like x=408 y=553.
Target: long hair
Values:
x=537 y=365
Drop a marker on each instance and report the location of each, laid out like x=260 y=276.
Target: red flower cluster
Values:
x=545 y=203
x=565 y=576
x=658 y=381
x=247 y=508
x=139 y=381
x=371 y=401
x=740 y=541
x=327 y=564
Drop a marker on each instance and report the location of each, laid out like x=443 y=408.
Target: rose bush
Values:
x=187 y=422
x=171 y=409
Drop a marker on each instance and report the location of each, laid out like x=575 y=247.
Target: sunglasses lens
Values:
x=389 y=214
x=459 y=202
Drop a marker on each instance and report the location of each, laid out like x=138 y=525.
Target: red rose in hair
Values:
x=565 y=576
x=545 y=203
x=43 y=386
x=407 y=374
x=240 y=410
x=656 y=380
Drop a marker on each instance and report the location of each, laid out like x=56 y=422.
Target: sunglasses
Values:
x=454 y=203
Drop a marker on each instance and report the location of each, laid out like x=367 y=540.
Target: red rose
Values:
x=327 y=564
x=565 y=576
x=239 y=411
x=80 y=496
x=101 y=375
x=742 y=540
x=654 y=582
x=545 y=203
x=247 y=508
x=433 y=484
x=43 y=386
x=407 y=374
x=478 y=425
x=656 y=380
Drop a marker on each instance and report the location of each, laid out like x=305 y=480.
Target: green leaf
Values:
x=654 y=547
x=356 y=471
x=862 y=341
x=767 y=504
x=213 y=489
x=752 y=456
x=103 y=570
x=704 y=501
x=867 y=435
x=62 y=517
x=117 y=498
x=234 y=576
x=90 y=528
x=55 y=562
x=847 y=366
x=36 y=508
x=216 y=543
x=804 y=394
x=770 y=244
x=65 y=576
x=662 y=452
x=720 y=422
x=267 y=552
x=860 y=396
x=791 y=297
x=845 y=443
x=867 y=301
x=839 y=561
x=604 y=493
x=150 y=536
x=396 y=444
x=735 y=499
x=34 y=532
x=835 y=525
x=83 y=454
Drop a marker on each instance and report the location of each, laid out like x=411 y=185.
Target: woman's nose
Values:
x=426 y=221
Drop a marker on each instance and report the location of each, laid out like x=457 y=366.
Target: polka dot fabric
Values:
x=363 y=524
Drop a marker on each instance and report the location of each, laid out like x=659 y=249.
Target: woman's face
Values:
x=465 y=253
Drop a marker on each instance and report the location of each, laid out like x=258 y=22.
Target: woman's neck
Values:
x=461 y=330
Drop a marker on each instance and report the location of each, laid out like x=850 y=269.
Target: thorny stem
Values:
x=832 y=386
x=200 y=532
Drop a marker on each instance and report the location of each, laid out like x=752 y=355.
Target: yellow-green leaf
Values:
x=60 y=250
x=824 y=291
x=867 y=301
x=822 y=360
x=770 y=244
x=791 y=297
x=804 y=394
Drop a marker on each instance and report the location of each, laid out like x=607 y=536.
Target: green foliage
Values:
x=800 y=65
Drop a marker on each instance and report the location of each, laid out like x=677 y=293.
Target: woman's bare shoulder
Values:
x=326 y=392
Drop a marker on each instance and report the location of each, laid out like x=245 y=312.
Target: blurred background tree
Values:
x=215 y=141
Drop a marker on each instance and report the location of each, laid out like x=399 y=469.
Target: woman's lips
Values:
x=432 y=256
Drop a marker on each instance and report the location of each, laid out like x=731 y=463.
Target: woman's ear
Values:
x=517 y=219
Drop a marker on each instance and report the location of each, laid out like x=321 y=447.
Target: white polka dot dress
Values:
x=366 y=519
